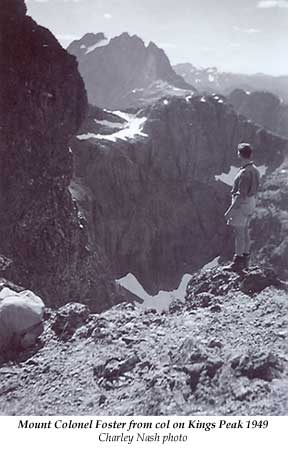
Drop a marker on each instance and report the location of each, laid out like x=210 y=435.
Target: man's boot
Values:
x=237 y=264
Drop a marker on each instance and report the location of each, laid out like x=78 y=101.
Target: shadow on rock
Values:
x=68 y=319
x=263 y=365
x=16 y=354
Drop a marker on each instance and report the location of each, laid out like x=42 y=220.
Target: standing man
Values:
x=245 y=188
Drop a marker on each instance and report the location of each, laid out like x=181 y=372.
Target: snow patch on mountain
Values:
x=160 y=301
x=211 y=264
x=102 y=43
x=163 y=299
x=132 y=128
x=109 y=124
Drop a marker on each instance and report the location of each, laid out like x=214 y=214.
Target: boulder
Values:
x=259 y=279
x=21 y=318
x=68 y=318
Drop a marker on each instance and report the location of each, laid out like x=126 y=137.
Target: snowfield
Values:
x=160 y=301
x=133 y=127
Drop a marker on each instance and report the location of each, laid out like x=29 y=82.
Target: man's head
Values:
x=244 y=150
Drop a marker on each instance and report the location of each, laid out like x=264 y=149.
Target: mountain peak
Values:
x=87 y=44
x=124 y=72
x=152 y=46
x=132 y=41
x=92 y=38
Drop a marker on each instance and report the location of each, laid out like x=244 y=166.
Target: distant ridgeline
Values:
x=212 y=80
x=123 y=73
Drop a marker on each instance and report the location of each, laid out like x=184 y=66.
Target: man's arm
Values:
x=242 y=193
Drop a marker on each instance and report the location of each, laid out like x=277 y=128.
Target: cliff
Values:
x=43 y=103
x=269 y=232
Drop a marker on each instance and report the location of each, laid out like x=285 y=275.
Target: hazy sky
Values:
x=234 y=35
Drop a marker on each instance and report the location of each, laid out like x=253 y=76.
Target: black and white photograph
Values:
x=143 y=211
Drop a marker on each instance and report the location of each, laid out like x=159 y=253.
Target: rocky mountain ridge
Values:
x=123 y=72
x=269 y=231
x=190 y=360
x=263 y=108
x=211 y=80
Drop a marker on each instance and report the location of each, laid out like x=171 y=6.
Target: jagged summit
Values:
x=127 y=37
x=124 y=72
x=90 y=39
x=87 y=44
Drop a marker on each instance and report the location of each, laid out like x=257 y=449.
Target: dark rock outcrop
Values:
x=43 y=102
x=68 y=318
x=263 y=108
x=258 y=279
x=206 y=288
x=263 y=365
x=123 y=72
x=153 y=199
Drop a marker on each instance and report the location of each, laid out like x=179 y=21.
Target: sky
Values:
x=247 y=36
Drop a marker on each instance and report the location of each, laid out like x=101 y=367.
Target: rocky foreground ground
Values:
x=222 y=351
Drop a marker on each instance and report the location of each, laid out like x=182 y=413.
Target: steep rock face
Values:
x=210 y=79
x=123 y=72
x=263 y=108
x=43 y=103
x=270 y=224
x=153 y=199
